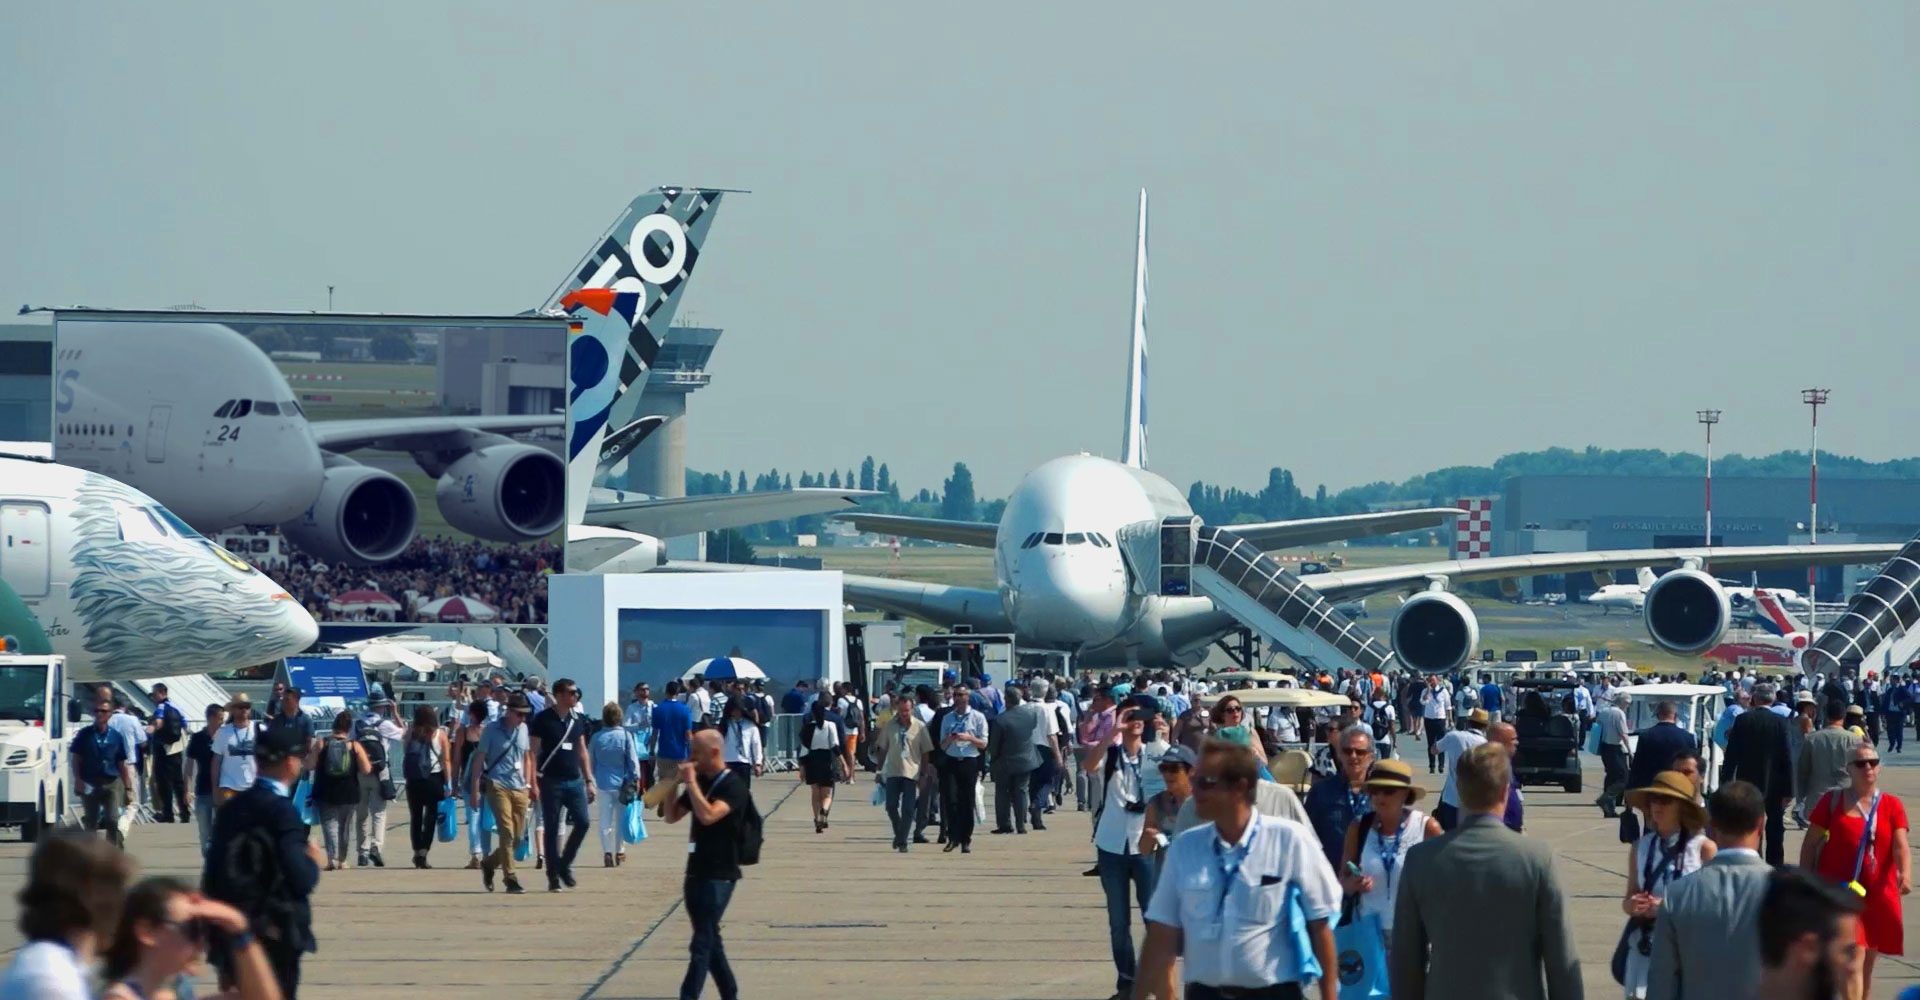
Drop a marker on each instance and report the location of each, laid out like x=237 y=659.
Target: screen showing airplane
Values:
x=382 y=468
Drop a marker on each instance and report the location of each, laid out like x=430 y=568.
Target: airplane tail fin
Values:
x=1645 y=577
x=1133 y=447
x=621 y=298
x=1774 y=616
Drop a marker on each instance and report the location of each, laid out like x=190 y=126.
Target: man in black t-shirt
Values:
x=200 y=760
x=559 y=748
x=718 y=804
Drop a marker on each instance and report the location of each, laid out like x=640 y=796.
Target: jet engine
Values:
x=1434 y=632
x=362 y=515
x=505 y=493
x=1687 y=611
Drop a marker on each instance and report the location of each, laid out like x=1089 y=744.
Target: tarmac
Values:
x=830 y=915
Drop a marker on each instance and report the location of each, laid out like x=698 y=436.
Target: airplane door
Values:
x=26 y=553
x=157 y=419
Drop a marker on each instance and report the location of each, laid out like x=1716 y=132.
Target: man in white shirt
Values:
x=1436 y=707
x=1613 y=753
x=1451 y=747
x=1221 y=902
x=233 y=749
x=699 y=702
x=1116 y=836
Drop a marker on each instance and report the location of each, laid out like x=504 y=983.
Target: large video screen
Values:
x=660 y=644
x=381 y=468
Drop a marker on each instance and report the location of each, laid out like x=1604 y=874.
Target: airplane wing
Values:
x=422 y=433
x=978 y=534
x=1351 y=583
x=671 y=518
x=931 y=602
x=1272 y=535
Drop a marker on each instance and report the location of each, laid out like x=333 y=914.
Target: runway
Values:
x=824 y=917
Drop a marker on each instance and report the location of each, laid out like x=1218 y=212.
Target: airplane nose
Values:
x=1068 y=601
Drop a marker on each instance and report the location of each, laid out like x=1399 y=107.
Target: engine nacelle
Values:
x=505 y=493
x=593 y=549
x=1687 y=612
x=1434 y=632
x=363 y=515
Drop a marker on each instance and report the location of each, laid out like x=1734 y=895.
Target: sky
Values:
x=1384 y=239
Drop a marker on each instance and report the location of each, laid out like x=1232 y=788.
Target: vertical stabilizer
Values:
x=1774 y=616
x=621 y=299
x=1644 y=577
x=1133 y=447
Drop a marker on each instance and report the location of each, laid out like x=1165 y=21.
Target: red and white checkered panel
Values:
x=1473 y=529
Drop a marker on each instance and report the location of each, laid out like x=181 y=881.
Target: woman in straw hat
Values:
x=1675 y=844
x=1377 y=842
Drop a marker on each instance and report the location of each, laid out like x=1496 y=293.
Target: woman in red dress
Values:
x=1880 y=870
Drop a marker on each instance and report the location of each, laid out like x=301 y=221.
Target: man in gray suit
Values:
x=1706 y=939
x=1014 y=758
x=1480 y=876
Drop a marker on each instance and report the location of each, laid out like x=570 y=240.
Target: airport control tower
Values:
x=659 y=466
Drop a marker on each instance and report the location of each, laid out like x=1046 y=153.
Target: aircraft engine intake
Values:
x=1687 y=612
x=362 y=515
x=505 y=493
x=1434 y=632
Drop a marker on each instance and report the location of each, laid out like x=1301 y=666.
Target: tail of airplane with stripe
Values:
x=621 y=299
x=1774 y=617
x=1133 y=445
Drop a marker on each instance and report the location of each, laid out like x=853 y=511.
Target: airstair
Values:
x=1879 y=623
x=1180 y=557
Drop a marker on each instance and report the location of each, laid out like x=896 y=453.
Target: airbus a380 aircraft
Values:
x=1063 y=583
x=202 y=419
x=125 y=589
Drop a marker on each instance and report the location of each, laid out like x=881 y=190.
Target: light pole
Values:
x=1814 y=398
x=1709 y=418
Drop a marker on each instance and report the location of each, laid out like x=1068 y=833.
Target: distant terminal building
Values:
x=495 y=371
x=26 y=382
x=1539 y=514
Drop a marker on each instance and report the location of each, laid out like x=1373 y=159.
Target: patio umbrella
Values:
x=363 y=602
x=392 y=656
x=458 y=609
x=726 y=668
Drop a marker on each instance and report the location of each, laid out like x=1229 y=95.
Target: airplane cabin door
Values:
x=26 y=550
x=157 y=419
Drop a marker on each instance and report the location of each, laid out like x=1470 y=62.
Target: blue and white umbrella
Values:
x=726 y=668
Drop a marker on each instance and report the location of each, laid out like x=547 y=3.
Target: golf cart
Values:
x=1282 y=699
x=1542 y=714
x=1237 y=680
x=1697 y=709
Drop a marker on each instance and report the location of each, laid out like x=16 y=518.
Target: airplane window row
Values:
x=1093 y=538
x=234 y=409
x=90 y=430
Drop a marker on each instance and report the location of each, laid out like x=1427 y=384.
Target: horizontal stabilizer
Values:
x=671 y=518
x=979 y=534
x=1273 y=535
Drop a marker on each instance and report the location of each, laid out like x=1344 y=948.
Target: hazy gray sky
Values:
x=1383 y=240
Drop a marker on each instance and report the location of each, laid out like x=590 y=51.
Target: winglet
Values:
x=1133 y=447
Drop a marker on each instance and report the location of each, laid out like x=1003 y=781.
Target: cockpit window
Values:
x=139 y=525
x=172 y=520
x=1052 y=538
x=1076 y=538
x=241 y=409
x=266 y=408
x=1032 y=540
x=225 y=408
x=1099 y=540
x=291 y=408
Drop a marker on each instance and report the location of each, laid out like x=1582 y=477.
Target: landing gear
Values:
x=1243 y=646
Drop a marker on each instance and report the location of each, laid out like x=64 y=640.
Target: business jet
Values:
x=198 y=416
x=1631 y=597
x=124 y=588
x=1067 y=578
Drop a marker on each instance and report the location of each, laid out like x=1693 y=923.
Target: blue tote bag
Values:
x=633 y=826
x=1362 y=959
x=447 y=823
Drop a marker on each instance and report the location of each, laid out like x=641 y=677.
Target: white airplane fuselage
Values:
x=1621 y=596
x=125 y=589
x=1062 y=582
x=198 y=416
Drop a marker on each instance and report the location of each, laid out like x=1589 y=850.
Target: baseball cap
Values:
x=1179 y=755
x=278 y=743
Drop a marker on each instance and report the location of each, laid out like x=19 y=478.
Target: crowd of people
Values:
x=510 y=578
x=1244 y=882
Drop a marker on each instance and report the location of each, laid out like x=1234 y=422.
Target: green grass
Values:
x=373 y=389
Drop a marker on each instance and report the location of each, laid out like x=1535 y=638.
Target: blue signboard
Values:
x=328 y=676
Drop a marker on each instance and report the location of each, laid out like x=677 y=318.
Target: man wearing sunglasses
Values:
x=102 y=768
x=1225 y=893
x=1335 y=801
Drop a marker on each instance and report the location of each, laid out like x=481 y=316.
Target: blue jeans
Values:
x=902 y=798
x=1116 y=872
x=706 y=903
x=556 y=795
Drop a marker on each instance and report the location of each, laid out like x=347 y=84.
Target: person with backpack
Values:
x=423 y=762
x=615 y=753
x=375 y=731
x=337 y=764
x=167 y=735
x=822 y=745
x=503 y=771
x=725 y=835
x=466 y=743
x=262 y=863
